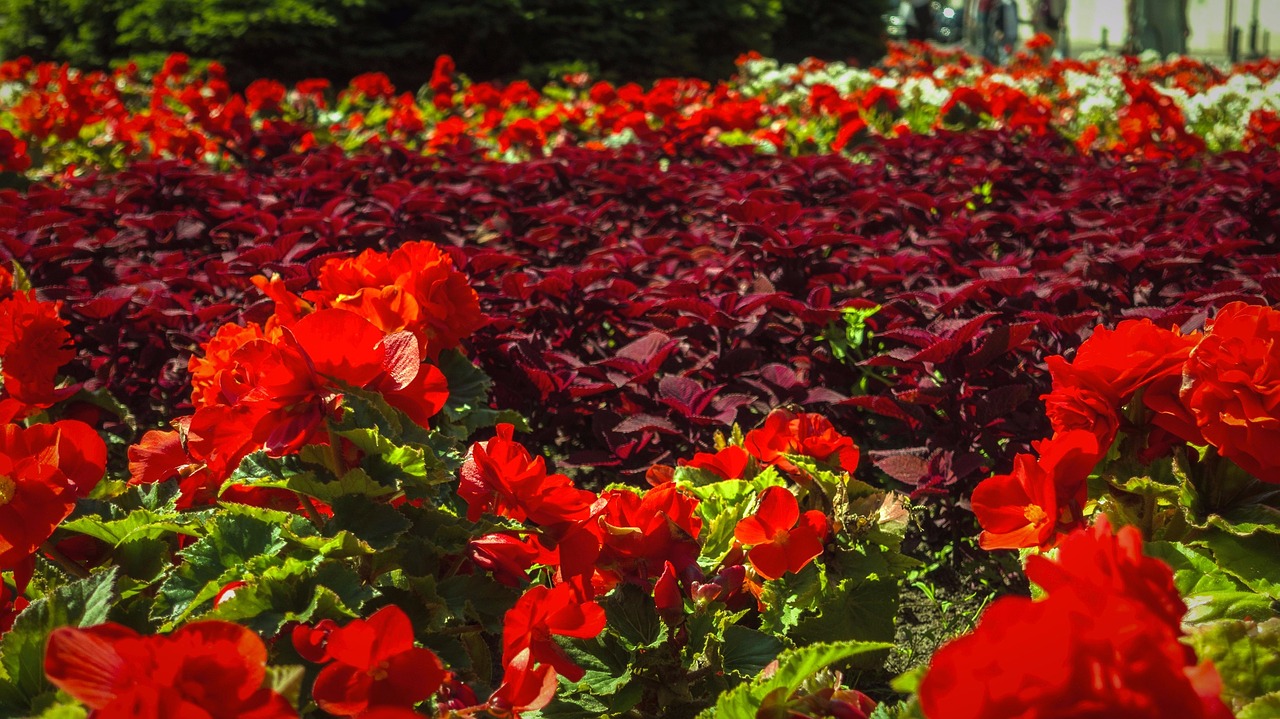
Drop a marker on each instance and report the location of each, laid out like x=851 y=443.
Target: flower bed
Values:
x=59 y=119
x=642 y=430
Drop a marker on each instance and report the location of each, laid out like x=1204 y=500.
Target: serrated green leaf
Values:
x=1210 y=592
x=852 y=609
x=794 y=667
x=373 y=522
x=1252 y=559
x=234 y=538
x=468 y=406
x=1266 y=706
x=138 y=524
x=477 y=598
x=78 y=604
x=633 y=617
x=1246 y=655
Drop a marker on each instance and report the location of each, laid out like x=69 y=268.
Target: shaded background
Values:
x=291 y=40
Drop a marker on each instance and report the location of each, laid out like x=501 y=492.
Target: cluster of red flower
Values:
x=1163 y=389
x=375 y=323
x=1105 y=639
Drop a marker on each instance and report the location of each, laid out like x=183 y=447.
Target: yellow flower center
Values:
x=7 y=489
x=1035 y=514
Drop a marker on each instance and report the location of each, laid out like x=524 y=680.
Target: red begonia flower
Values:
x=811 y=435
x=526 y=686
x=414 y=288
x=1231 y=385
x=1041 y=498
x=34 y=343
x=208 y=669
x=43 y=470
x=1104 y=644
x=543 y=612
x=638 y=534
x=778 y=544
x=730 y=462
x=501 y=477
x=667 y=596
x=312 y=641
x=374 y=663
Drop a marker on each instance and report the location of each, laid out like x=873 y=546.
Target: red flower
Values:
x=525 y=686
x=1041 y=498
x=501 y=477
x=34 y=343
x=442 y=86
x=542 y=613
x=667 y=596
x=312 y=642
x=810 y=435
x=778 y=544
x=276 y=389
x=373 y=85
x=1231 y=385
x=1103 y=643
x=43 y=470
x=205 y=669
x=638 y=534
x=729 y=463
x=374 y=663
x=415 y=288
x=523 y=133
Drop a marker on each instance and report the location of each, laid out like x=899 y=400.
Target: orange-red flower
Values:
x=811 y=435
x=501 y=477
x=730 y=462
x=1231 y=386
x=43 y=470
x=415 y=288
x=275 y=389
x=374 y=663
x=778 y=544
x=34 y=343
x=1041 y=497
x=542 y=613
x=205 y=669
x=1103 y=643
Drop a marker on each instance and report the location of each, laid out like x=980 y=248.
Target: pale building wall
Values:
x=1086 y=20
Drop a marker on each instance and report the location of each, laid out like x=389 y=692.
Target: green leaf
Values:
x=294 y=591
x=1246 y=655
x=1252 y=559
x=65 y=711
x=234 y=539
x=477 y=598
x=632 y=615
x=853 y=609
x=373 y=522
x=1210 y=592
x=78 y=604
x=794 y=667
x=747 y=651
x=909 y=682
x=138 y=524
x=1266 y=706
x=468 y=404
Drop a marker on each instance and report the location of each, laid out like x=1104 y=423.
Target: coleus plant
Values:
x=980 y=253
x=314 y=540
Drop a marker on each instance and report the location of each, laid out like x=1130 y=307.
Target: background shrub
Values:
x=294 y=39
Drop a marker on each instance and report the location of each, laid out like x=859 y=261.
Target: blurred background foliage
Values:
x=490 y=39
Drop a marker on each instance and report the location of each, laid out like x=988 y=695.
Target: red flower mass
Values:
x=1104 y=643
x=373 y=663
x=208 y=669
